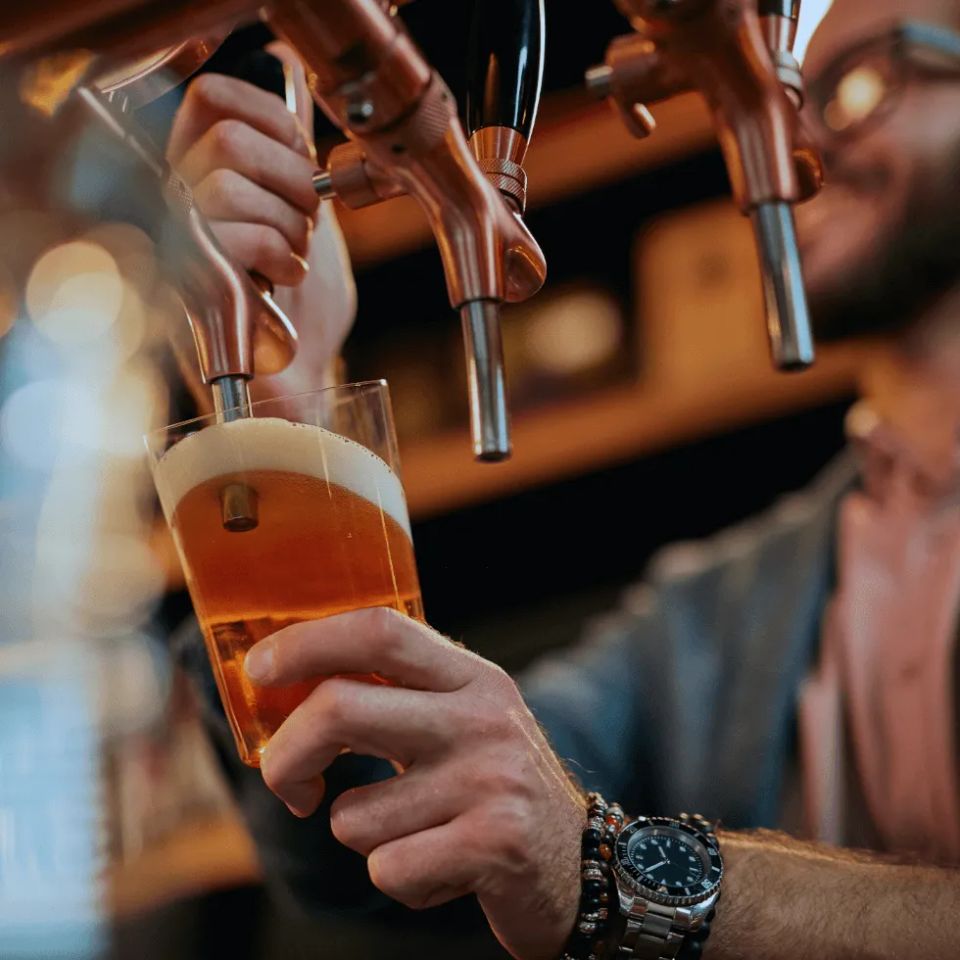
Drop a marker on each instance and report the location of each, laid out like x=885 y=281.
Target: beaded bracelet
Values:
x=604 y=822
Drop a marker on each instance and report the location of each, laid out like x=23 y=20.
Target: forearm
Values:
x=787 y=900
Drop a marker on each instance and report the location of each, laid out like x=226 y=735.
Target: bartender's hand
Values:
x=249 y=162
x=482 y=804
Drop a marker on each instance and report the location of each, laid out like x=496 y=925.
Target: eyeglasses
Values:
x=861 y=86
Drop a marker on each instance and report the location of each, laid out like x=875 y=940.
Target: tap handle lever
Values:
x=790 y=9
x=505 y=65
x=505 y=76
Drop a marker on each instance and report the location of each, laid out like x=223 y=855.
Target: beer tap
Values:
x=505 y=76
x=404 y=135
x=406 y=138
x=738 y=55
x=237 y=327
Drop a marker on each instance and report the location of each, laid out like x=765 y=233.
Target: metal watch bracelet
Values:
x=654 y=931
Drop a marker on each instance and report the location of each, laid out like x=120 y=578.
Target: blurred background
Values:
x=645 y=411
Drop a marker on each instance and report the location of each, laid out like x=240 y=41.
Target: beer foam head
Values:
x=269 y=443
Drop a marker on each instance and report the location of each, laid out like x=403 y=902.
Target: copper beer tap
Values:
x=405 y=138
x=738 y=55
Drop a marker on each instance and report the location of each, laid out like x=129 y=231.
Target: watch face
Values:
x=669 y=861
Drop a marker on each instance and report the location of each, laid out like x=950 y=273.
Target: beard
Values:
x=915 y=265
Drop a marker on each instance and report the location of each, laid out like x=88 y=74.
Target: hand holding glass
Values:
x=292 y=514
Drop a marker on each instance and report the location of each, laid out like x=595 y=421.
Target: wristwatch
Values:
x=667 y=874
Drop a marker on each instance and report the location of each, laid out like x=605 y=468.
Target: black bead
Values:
x=692 y=949
x=590 y=852
x=591 y=835
x=592 y=888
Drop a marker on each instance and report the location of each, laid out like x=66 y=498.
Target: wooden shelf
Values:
x=197 y=858
x=574 y=438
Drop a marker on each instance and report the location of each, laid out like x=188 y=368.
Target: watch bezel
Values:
x=632 y=877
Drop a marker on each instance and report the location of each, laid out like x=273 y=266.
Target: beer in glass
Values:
x=292 y=514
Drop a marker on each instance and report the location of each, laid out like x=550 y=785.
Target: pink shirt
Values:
x=884 y=687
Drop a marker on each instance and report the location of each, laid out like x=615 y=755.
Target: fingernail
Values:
x=303 y=263
x=259 y=662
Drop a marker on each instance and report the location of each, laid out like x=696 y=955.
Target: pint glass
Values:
x=291 y=514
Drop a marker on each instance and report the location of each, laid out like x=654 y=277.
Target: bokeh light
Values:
x=9 y=301
x=75 y=293
x=130 y=247
x=574 y=332
x=114 y=419
x=24 y=234
x=857 y=97
x=30 y=423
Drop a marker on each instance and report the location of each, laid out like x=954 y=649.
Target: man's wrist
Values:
x=664 y=878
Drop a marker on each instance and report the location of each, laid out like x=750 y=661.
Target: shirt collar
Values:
x=893 y=461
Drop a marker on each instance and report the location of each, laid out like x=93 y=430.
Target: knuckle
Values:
x=379 y=626
x=493 y=721
x=510 y=824
x=506 y=781
x=502 y=684
x=382 y=620
x=220 y=188
x=334 y=700
x=207 y=90
x=229 y=137
x=384 y=625
x=272 y=253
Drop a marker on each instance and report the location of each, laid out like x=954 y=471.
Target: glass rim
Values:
x=212 y=417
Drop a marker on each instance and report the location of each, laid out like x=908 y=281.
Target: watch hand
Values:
x=660 y=851
x=656 y=866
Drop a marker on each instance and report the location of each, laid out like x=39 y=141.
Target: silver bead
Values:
x=587 y=929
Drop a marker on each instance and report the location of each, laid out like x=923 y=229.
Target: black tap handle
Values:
x=505 y=64
x=789 y=9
